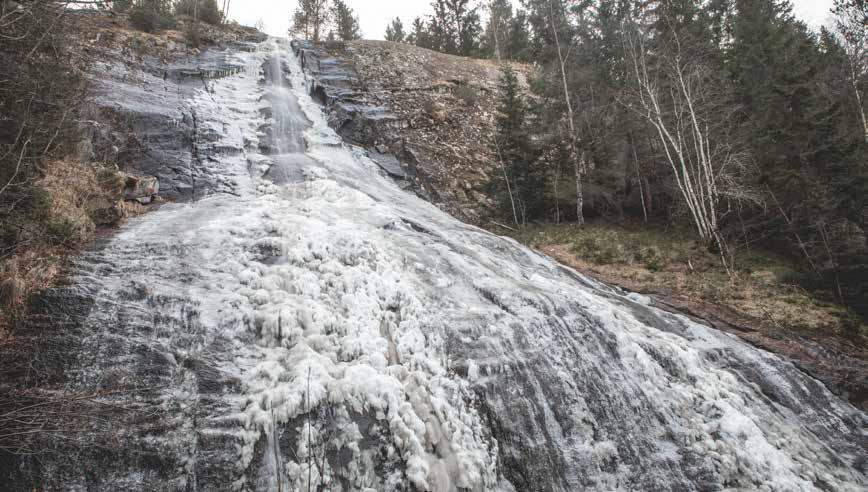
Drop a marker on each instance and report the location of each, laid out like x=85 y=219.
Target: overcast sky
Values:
x=374 y=15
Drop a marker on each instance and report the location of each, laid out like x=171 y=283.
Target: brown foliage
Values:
x=42 y=87
x=42 y=90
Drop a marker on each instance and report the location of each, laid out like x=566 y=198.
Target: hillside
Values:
x=434 y=112
x=130 y=146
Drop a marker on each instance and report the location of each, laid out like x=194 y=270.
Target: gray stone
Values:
x=141 y=189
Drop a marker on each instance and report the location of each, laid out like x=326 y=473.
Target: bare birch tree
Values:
x=578 y=158
x=695 y=125
x=311 y=19
x=851 y=19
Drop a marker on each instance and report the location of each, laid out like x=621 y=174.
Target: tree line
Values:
x=730 y=117
x=455 y=27
x=331 y=20
x=155 y=15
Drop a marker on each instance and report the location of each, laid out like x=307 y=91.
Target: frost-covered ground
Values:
x=320 y=327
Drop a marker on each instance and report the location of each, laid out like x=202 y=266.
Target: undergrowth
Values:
x=764 y=286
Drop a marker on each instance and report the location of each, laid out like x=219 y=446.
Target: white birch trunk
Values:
x=578 y=167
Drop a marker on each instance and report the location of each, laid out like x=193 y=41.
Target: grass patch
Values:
x=61 y=211
x=765 y=286
x=467 y=94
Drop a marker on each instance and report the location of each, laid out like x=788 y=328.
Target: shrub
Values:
x=651 y=257
x=468 y=94
x=208 y=11
x=42 y=89
x=11 y=292
x=192 y=35
x=121 y=6
x=110 y=180
x=144 y=19
x=62 y=230
x=601 y=250
x=151 y=15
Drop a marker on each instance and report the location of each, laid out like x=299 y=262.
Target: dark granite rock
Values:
x=148 y=122
x=355 y=116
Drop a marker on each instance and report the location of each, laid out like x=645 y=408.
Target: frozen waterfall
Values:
x=320 y=329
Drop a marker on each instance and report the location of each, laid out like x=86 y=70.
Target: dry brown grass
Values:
x=77 y=191
x=73 y=188
x=672 y=265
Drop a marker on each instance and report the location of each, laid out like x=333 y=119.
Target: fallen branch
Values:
x=504 y=226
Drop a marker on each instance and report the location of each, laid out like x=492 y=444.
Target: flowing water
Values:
x=320 y=329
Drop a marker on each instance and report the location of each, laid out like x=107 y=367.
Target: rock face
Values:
x=428 y=113
x=144 y=121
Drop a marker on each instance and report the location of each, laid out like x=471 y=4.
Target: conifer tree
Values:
x=469 y=31
x=420 y=35
x=518 y=38
x=442 y=29
x=395 y=31
x=518 y=186
x=454 y=27
x=346 y=22
x=773 y=61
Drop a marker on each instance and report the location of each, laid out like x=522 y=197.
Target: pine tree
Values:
x=442 y=29
x=518 y=38
x=346 y=22
x=454 y=27
x=517 y=187
x=421 y=35
x=395 y=31
x=310 y=19
x=469 y=30
x=773 y=63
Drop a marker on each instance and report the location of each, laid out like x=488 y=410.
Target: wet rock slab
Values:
x=148 y=125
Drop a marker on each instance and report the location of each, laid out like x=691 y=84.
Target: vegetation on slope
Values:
x=42 y=92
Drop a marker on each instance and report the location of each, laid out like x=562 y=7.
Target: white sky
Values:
x=375 y=15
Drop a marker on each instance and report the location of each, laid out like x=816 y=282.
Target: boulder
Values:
x=105 y=213
x=11 y=293
x=141 y=189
